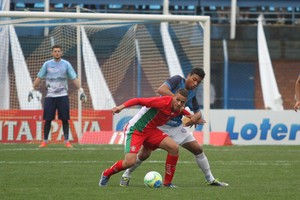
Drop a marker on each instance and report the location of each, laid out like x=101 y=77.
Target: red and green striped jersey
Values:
x=157 y=111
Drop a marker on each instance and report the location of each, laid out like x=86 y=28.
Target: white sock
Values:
x=202 y=162
x=128 y=171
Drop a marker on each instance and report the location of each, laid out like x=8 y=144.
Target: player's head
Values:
x=194 y=78
x=179 y=99
x=57 y=52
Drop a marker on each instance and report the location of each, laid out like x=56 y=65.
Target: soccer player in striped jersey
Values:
x=176 y=130
x=142 y=130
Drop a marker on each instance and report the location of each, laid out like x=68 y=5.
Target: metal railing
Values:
x=218 y=14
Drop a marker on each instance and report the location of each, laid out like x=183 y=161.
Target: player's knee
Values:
x=197 y=151
x=173 y=149
x=144 y=155
x=129 y=161
x=193 y=147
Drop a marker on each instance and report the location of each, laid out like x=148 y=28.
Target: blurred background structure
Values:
x=235 y=76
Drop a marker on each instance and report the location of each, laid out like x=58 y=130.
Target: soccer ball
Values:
x=153 y=179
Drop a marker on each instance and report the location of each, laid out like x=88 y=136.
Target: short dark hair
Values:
x=199 y=71
x=183 y=92
x=56 y=47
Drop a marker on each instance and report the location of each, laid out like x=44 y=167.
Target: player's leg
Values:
x=48 y=116
x=182 y=137
x=193 y=146
x=200 y=158
x=143 y=154
x=172 y=148
x=63 y=109
x=118 y=166
x=133 y=144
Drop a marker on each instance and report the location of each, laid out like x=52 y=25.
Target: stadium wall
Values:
x=238 y=127
x=284 y=49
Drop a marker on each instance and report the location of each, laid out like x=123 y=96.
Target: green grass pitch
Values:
x=55 y=172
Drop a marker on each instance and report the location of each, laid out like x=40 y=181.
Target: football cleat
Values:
x=68 y=145
x=43 y=144
x=124 y=181
x=170 y=185
x=103 y=180
x=216 y=182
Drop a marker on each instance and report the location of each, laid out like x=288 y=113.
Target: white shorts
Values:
x=178 y=133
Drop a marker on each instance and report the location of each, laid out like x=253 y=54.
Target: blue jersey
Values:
x=175 y=83
x=57 y=75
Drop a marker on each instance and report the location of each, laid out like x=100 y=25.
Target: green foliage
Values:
x=55 y=172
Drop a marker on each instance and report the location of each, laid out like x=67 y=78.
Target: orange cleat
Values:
x=44 y=144
x=68 y=145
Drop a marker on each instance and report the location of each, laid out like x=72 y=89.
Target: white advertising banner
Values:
x=258 y=127
x=245 y=127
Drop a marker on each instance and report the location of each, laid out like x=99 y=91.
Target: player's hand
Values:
x=201 y=121
x=191 y=120
x=30 y=94
x=117 y=109
x=83 y=97
x=297 y=106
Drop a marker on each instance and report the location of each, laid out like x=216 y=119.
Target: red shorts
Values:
x=151 y=138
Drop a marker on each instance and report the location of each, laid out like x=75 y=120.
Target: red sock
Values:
x=115 y=168
x=170 y=168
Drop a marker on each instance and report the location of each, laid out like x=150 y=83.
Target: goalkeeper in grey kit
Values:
x=57 y=71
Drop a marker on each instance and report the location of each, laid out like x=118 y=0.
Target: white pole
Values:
x=166 y=7
x=46 y=6
x=98 y=16
x=79 y=134
x=46 y=9
x=233 y=19
x=206 y=94
x=5 y=4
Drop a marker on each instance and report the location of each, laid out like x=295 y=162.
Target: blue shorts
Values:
x=61 y=104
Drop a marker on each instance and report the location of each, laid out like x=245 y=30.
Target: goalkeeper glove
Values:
x=30 y=94
x=83 y=97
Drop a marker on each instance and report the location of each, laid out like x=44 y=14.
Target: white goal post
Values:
x=20 y=18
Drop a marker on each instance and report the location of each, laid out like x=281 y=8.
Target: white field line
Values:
x=121 y=148
x=65 y=149
x=83 y=148
x=258 y=163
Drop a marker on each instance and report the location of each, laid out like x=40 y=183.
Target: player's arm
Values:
x=36 y=83
x=126 y=104
x=35 y=86
x=185 y=112
x=197 y=117
x=189 y=120
x=164 y=90
x=77 y=84
x=297 y=94
x=170 y=84
x=194 y=119
x=154 y=102
x=118 y=109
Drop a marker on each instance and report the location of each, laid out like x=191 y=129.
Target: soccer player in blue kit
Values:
x=175 y=129
x=57 y=71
